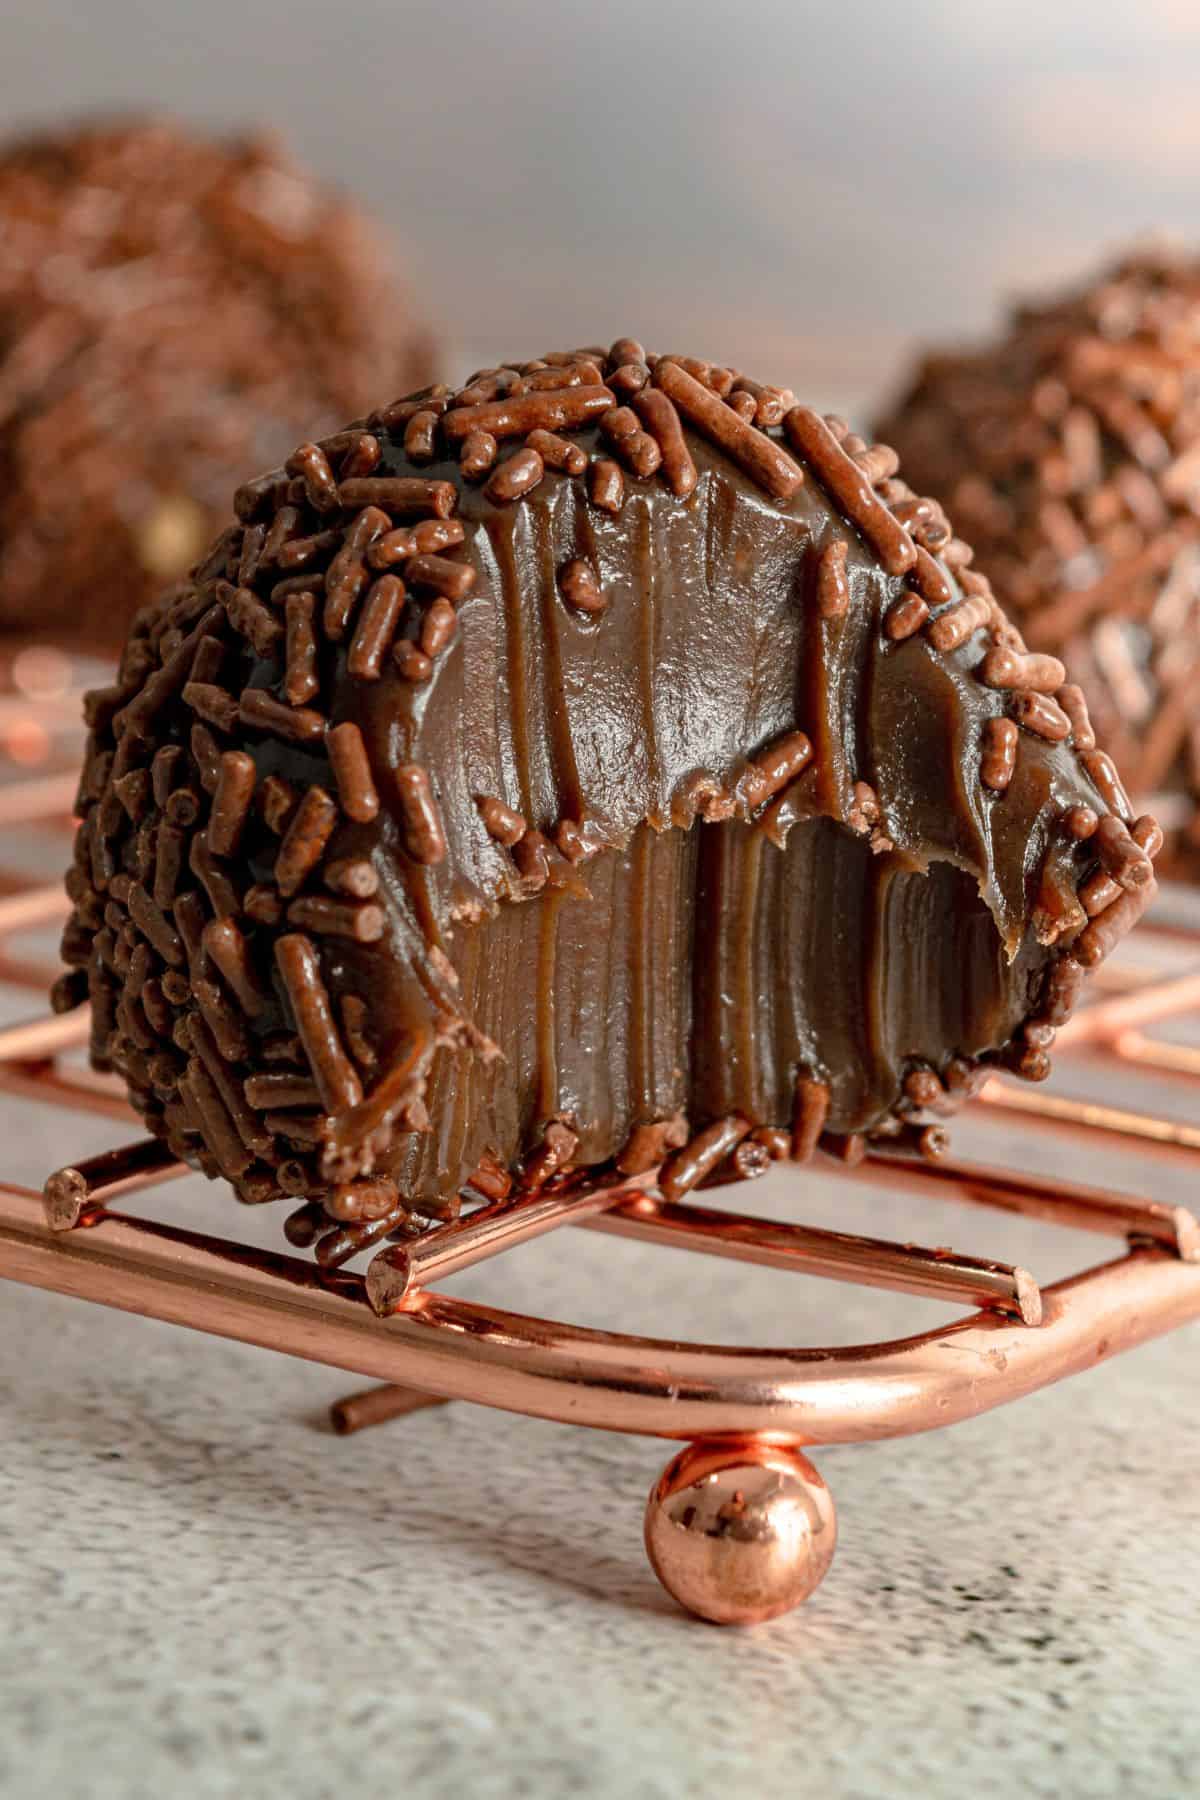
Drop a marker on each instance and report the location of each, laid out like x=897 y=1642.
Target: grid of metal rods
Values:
x=37 y=1062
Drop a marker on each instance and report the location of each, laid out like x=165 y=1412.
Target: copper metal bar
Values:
x=27 y=972
x=52 y=710
x=43 y=798
x=16 y=881
x=35 y=906
x=1158 y=1054
x=81 y=1090
x=36 y=1040
x=1168 y=931
x=868 y=1262
x=557 y=1371
x=1118 y=978
x=398 y=1273
x=1107 y=1019
x=1059 y=1202
x=1093 y=1115
x=378 y=1405
x=86 y=1187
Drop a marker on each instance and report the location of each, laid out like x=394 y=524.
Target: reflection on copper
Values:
x=740 y=1533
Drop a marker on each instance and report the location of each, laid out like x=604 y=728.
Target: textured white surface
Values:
x=205 y=1593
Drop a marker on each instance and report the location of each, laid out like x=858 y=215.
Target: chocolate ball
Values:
x=175 y=312
x=1068 y=450
x=610 y=763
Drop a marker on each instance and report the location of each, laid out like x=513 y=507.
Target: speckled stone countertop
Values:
x=206 y=1593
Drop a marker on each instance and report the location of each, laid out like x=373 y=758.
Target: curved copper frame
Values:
x=456 y=1349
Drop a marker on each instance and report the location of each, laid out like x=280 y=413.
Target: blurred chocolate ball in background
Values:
x=175 y=312
x=1068 y=452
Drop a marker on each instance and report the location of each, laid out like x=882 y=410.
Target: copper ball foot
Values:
x=740 y=1532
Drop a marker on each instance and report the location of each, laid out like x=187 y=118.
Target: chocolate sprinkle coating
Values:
x=1068 y=450
x=674 y=849
x=175 y=313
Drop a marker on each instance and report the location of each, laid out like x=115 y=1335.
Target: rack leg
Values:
x=740 y=1532
x=375 y=1406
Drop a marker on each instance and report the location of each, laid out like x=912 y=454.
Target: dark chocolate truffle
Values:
x=1068 y=452
x=610 y=761
x=175 y=313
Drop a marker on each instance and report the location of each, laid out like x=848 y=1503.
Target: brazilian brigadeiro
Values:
x=175 y=313
x=609 y=763
x=1069 y=452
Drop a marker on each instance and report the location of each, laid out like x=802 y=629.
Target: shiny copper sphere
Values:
x=740 y=1532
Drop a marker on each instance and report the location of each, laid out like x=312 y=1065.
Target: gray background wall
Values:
x=804 y=187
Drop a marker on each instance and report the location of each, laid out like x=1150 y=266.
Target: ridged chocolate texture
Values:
x=594 y=764
x=1068 y=450
x=174 y=314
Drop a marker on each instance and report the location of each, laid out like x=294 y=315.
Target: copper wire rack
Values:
x=740 y=1526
